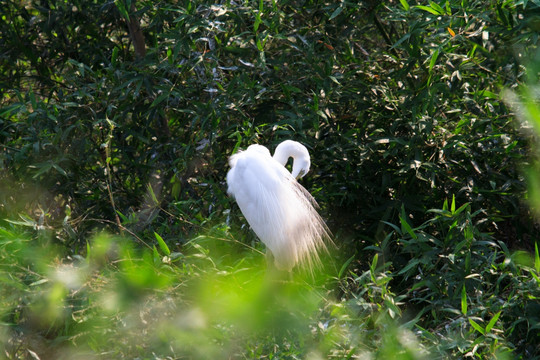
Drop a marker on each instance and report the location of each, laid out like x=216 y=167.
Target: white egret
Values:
x=281 y=211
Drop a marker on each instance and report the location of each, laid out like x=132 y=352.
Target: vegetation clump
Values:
x=117 y=237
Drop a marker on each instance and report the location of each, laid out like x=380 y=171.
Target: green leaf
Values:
x=402 y=39
x=428 y=9
x=124 y=218
x=259 y=44
x=39 y=282
x=32 y=99
x=448 y=8
x=393 y=226
x=492 y=322
x=122 y=9
x=445 y=205
x=114 y=55
x=464 y=300
x=393 y=310
x=405 y=4
x=461 y=208
x=345 y=266
x=477 y=327
x=333 y=78
x=257 y=22
x=150 y=190
x=59 y=169
x=155 y=255
x=164 y=248
x=433 y=61
x=410 y=265
x=536 y=258
x=373 y=266
x=336 y=12
x=9 y=110
x=170 y=56
x=258 y=15
x=487 y=94
x=160 y=99
x=436 y=7
x=88 y=250
x=406 y=227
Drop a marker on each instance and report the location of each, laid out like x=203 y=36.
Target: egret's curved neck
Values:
x=298 y=152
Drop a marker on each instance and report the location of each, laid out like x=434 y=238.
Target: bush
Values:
x=120 y=117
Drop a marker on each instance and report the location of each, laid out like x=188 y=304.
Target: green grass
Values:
x=465 y=293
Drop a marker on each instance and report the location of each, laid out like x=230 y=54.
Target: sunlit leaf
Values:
x=405 y=5
x=492 y=322
x=477 y=327
x=428 y=9
x=162 y=245
x=433 y=60
x=463 y=300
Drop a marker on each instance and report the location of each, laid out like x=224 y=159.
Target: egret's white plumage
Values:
x=281 y=211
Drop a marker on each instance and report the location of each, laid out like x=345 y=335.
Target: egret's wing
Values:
x=280 y=211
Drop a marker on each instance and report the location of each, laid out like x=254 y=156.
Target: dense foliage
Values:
x=118 y=118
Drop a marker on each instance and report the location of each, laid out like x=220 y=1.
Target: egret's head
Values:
x=298 y=152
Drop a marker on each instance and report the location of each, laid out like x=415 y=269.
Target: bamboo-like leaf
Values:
x=463 y=300
x=448 y=8
x=492 y=322
x=477 y=327
x=461 y=208
x=155 y=201
x=402 y=39
x=345 y=266
x=162 y=245
x=155 y=255
x=160 y=99
x=393 y=310
x=373 y=266
x=122 y=9
x=433 y=60
x=410 y=265
x=114 y=55
x=336 y=12
x=393 y=226
x=406 y=227
x=428 y=9
x=536 y=258
x=59 y=169
x=405 y=5
x=32 y=99
x=436 y=7
x=88 y=250
x=257 y=22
